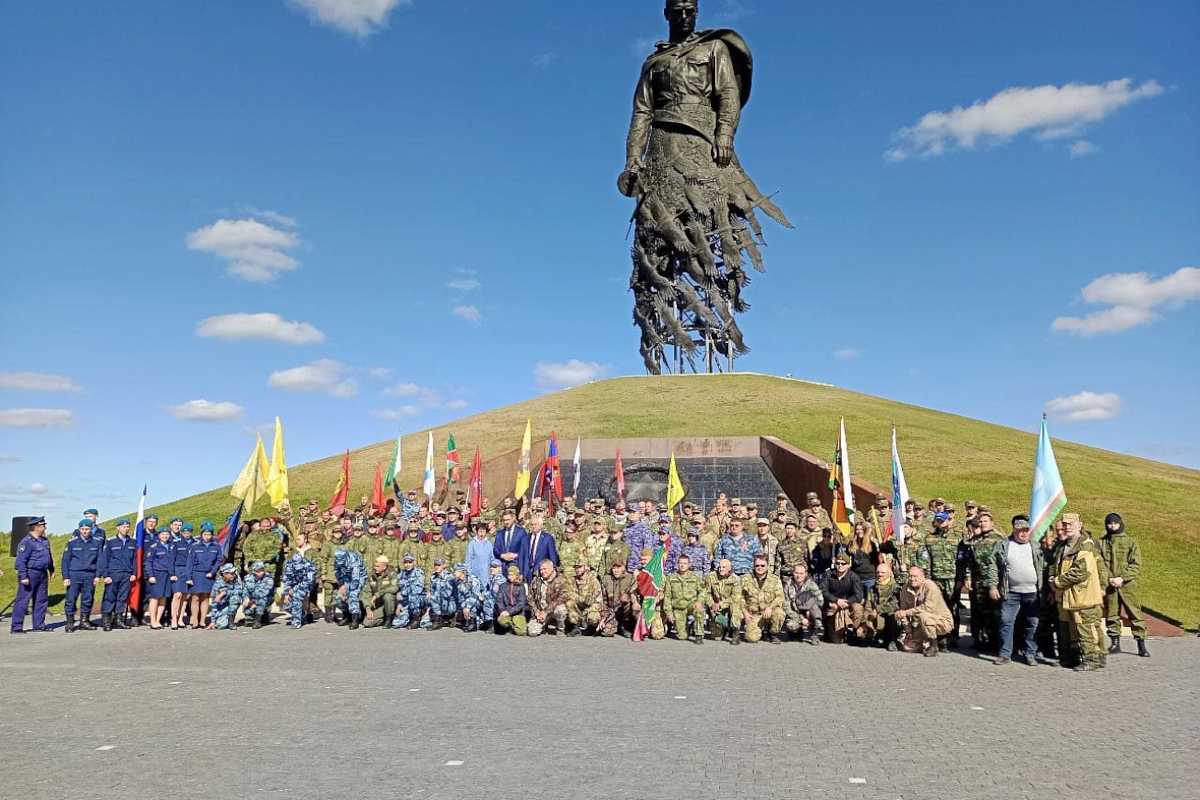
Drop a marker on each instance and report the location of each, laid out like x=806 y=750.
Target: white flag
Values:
x=899 y=492
x=430 y=477
x=575 y=462
x=847 y=486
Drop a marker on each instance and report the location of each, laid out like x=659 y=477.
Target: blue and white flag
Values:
x=430 y=478
x=899 y=494
x=1049 y=497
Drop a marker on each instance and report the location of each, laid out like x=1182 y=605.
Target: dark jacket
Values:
x=514 y=541
x=511 y=598
x=849 y=588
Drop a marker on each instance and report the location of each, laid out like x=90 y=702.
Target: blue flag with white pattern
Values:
x=1049 y=496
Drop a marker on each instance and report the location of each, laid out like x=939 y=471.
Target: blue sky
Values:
x=410 y=187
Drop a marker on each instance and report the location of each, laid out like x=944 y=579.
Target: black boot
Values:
x=736 y=638
x=118 y=621
x=576 y=631
x=329 y=614
x=354 y=622
x=1142 y=651
x=106 y=622
x=85 y=623
x=258 y=623
x=435 y=622
x=1115 y=647
x=70 y=625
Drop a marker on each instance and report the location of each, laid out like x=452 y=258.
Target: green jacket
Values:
x=883 y=600
x=378 y=585
x=683 y=591
x=1122 y=555
x=995 y=568
x=727 y=590
x=262 y=546
x=758 y=597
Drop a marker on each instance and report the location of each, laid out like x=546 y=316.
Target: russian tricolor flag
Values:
x=139 y=536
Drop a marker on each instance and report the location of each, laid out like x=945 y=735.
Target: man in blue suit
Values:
x=512 y=542
x=541 y=547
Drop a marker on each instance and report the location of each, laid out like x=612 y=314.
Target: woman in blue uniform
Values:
x=179 y=577
x=203 y=561
x=159 y=567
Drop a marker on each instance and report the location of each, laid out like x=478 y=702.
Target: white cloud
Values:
x=847 y=352
x=396 y=413
x=1082 y=148
x=26 y=493
x=469 y=313
x=358 y=17
x=1133 y=296
x=379 y=373
x=1049 y=112
x=325 y=375
x=1085 y=407
x=282 y=220
x=544 y=60
x=265 y=326
x=36 y=418
x=570 y=373
x=10 y=458
x=457 y=405
x=425 y=395
x=208 y=411
x=38 y=382
x=464 y=285
x=254 y=250
x=38 y=488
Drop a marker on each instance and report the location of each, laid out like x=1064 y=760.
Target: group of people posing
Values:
x=733 y=573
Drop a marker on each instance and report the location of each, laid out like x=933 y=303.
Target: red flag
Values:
x=377 y=501
x=620 y=472
x=475 y=490
x=550 y=476
x=338 y=504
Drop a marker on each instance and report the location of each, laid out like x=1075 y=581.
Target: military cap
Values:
x=373 y=522
x=763 y=521
x=940 y=500
x=941 y=516
x=460 y=566
x=843 y=556
x=513 y=570
x=412 y=492
x=791 y=523
x=121 y=522
x=664 y=517
x=974 y=522
x=752 y=504
x=579 y=512
x=440 y=513
x=381 y=559
x=881 y=496
x=439 y=560
x=737 y=501
x=176 y=519
x=409 y=557
x=693 y=531
x=206 y=526
x=187 y=526
x=1020 y=524
x=227 y=567
x=92 y=511
x=495 y=562
x=950 y=507
x=257 y=565
x=581 y=563
x=971 y=504
x=36 y=521
x=390 y=522
x=985 y=510
x=453 y=510
x=412 y=526
x=1070 y=518
x=781 y=496
x=811 y=496
x=84 y=523
x=1020 y=518
x=148 y=516
x=646 y=551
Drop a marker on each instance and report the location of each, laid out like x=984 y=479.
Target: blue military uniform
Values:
x=228 y=592
x=740 y=552
x=411 y=600
x=441 y=597
x=183 y=552
x=34 y=564
x=299 y=578
x=202 y=565
x=491 y=589
x=350 y=573
x=118 y=563
x=260 y=592
x=160 y=560
x=638 y=536
x=80 y=563
x=469 y=597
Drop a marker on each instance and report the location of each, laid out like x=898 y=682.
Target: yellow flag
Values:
x=252 y=483
x=675 y=491
x=523 y=464
x=277 y=479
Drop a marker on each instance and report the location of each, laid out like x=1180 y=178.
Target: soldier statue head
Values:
x=681 y=17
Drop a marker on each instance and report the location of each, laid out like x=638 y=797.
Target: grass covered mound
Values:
x=944 y=455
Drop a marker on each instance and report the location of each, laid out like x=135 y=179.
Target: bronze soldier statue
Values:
x=695 y=214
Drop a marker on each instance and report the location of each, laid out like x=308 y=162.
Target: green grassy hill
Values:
x=944 y=455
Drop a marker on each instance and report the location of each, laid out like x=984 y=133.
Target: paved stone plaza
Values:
x=326 y=713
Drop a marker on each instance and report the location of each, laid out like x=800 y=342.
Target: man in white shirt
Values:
x=1014 y=574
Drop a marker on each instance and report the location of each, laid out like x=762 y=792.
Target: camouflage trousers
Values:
x=351 y=604
x=587 y=616
x=985 y=618
x=487 y=609
x=327 y=591
x=725 y=620
x=951 y=596
x=409 y=609
x=1087 y=634
x=687 y=620
x=756 y=624
x=297 y=606
x=794 y=619
x=1128 y=598
x=515 y=623
x=657 y=629
x=557 y=617
x=615 y=619
x=224 y=610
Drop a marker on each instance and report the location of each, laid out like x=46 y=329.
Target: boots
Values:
x=118 y=622
x=329 y=614
x=70 y=624
x=355 y=621
x=106 y=622
x=1142 y=651
x=736 y=638
x=435 y=622
x=85 y=623
x=1115 y=647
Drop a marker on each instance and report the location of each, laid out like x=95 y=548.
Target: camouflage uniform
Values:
x=322 y=558
x=657 y=629
x=262 y=546
x=617 y=614
x=495 y=581
x=803 y=602
x=378 y=596
x=584 y=604
x=638 y=536
x=701 y=560
x=227 y=596
x=596 y=545
x=882 y=603
x=441 y=597
x=469 y=597
x=723 y=596
x=411 y=599
x=1123 y=557
x=1077 y=579
x=757 y=597
x=431 y=552
x=614 y=550
x=681 y=593
x=550 y=597
x=350 y=574
x=456 y=548
x=299 y=577
x=570 y=551
x=985 y=612
x=740 y=552
x=261 y=594
x=940 y=558
x=790 y=553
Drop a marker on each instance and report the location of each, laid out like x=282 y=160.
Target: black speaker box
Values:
x=20 y=529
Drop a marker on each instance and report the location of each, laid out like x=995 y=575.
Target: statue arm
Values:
x=728 y=102
x=639 y=125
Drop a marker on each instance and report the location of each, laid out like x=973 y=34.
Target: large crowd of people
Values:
x=732 y=573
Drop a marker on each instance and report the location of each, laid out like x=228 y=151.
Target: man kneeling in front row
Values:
x=924 y=614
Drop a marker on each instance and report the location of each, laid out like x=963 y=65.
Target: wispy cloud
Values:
x=425 y=395
x=10 y=458
x=207 y=411
x=544 y=60
x=1085 y=407
x=847 y=352
x=1047 y=112
x=403 y=412
x=379 y=373
x=360 y=18
x=469 y=313
x=264 y=326
x=325 y=375
x=568 y=373
x=457 y=405
x=1133 y=297
x=252 y=250
x=464 y=285
x=38 y=382
x=36 y=418
x=1081 y=148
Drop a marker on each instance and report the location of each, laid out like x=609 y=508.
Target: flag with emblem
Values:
x=430 y=484
x=842 y=508
x=522 y=485
x=899 y=495
x=341 y=492
x=452 y=474
x=619 y=472
x=1049 y=495
x=650 y=585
